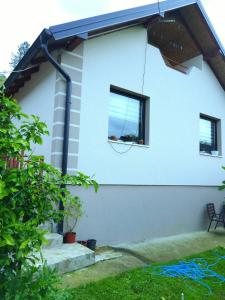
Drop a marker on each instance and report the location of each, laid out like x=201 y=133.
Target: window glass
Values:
x=125 y=117
x=207 y=135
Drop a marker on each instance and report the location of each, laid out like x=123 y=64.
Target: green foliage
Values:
x=30 y=191
x=21 y=51
x=143 y=285
x=2 y=79
x=222 y=187
x=35 y=284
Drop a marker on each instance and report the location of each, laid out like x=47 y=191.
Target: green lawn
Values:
x=141 y=284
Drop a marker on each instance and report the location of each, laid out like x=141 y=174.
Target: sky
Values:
x=23 y=20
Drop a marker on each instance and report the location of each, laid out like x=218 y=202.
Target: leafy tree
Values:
x=222 y=186
x=21 y=51
x=30 y=190
x=2 y=79
x=34 y=284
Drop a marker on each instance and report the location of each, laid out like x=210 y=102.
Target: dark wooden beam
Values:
x=187 y=27
x=38 y=60
x=14 y=89
x=26 y=75
x=30 y=71
x=18 y=86
x=150 y=21
x=34 y=69
x=58 y=45
x=73 y=44
x=21 y=80
x=11 y=92
x=206 y=55
x=212 y=54
x=211 y=33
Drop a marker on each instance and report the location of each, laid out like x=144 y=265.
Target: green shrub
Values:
x=35 y=284
x=30 y=191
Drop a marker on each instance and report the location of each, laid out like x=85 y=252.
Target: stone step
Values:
x=53 y=240
x=68 y=257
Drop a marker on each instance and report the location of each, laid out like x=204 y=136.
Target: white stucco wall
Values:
x=176 y=100
x=37 y=97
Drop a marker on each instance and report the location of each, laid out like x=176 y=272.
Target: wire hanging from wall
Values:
x=17 y=71
x=158 y=20
x=142 y=93
x=159 y=8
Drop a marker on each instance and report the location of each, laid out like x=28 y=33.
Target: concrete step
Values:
x=53 y=240
x=68 y=257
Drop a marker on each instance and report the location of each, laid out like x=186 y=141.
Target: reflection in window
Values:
x=126 y=118
x=208 y=134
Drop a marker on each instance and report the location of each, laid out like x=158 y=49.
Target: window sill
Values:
x=210 y=155
x=128 y=144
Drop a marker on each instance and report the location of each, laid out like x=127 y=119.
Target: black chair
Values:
x=213 y=216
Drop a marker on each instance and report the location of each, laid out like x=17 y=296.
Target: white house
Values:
x=147 y=116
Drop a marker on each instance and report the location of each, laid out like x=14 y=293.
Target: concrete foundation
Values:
x=118 y=214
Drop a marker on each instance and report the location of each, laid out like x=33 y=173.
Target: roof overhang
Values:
x=190 y=13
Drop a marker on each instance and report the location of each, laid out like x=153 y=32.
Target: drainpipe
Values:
x=44 y=47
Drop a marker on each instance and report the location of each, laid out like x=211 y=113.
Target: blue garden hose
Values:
x=196 y=270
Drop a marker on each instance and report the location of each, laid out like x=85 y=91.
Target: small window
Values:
x=209 y=135
x=126 y=116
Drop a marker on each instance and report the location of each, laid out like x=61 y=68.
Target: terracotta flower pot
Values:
x=70 y=237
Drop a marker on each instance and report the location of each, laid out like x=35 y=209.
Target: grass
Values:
x=142 y=284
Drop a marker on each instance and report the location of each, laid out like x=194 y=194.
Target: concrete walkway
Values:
x=130 y=256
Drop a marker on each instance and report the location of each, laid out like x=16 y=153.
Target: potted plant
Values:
x=128 y=138
x=113 y=138
x=73 y=212
x=141 y=142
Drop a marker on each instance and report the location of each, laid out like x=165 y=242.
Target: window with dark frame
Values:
x=208 y=134
x=126 y=116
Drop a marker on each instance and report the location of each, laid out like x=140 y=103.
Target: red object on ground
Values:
x=70 y=237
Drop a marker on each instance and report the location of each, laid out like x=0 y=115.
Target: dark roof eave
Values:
x=210 y=26
x=87 y=27
x=32 y=51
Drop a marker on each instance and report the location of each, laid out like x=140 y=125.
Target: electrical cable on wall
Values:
x=17 y=71
x=143 y=82
x=159 y=8
x=142 y=93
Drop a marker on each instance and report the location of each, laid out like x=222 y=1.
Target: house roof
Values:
x=195 y=31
